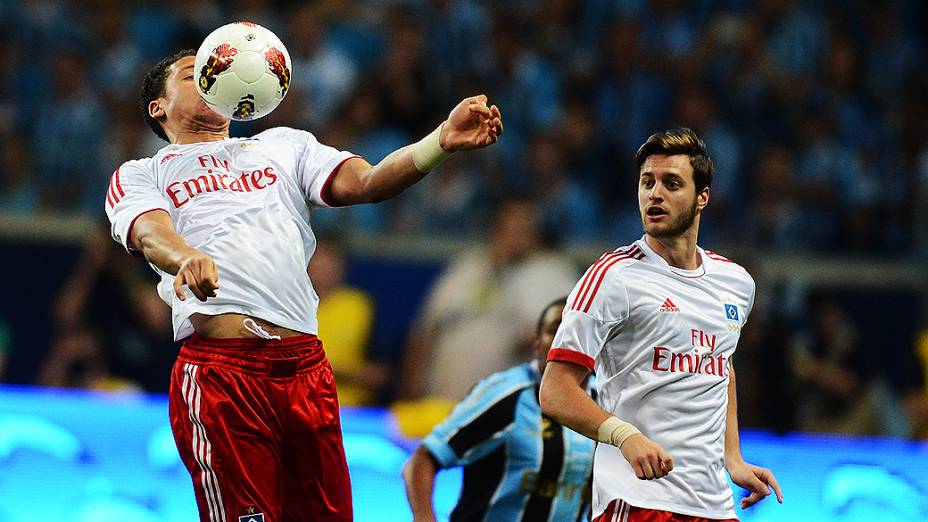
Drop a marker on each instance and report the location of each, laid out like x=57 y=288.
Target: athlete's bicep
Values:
x=347 y=185
x=153 y=221
x=319 y=166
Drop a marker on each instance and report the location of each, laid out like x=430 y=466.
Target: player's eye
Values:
x=190 y=77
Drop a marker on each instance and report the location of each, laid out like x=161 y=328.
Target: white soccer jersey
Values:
x=659 y=340
x=244 y=202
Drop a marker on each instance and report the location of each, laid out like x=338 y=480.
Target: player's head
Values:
x=547 y=326
x=674 y=175
x=169 y=100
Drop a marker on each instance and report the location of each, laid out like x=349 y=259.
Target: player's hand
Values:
x=648 y=458
x=755 y=479
x=471 y=125
x=423 y=517
x=197 y=271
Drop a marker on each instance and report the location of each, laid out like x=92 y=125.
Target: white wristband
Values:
x=614 y=431
x=427 y=152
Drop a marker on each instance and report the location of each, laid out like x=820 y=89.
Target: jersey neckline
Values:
x=696 y=273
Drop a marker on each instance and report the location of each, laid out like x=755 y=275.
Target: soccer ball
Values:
x=242 y=71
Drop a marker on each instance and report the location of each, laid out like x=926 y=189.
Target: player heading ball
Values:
x=226 y=224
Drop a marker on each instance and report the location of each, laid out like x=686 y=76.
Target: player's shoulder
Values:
x=612 y=265
x=288 y=134
x=504 y=383
x=136 y=166
x=605 y=277
x=726 y=265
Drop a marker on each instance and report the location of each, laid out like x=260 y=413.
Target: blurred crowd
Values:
x=814 y=112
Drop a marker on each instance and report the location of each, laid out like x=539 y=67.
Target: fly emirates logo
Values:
x=698 y=359
x=217 y=177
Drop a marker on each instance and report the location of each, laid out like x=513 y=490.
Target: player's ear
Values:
x=155 y=110
x=702 y=199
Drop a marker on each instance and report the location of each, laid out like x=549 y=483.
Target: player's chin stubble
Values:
x=674 y=228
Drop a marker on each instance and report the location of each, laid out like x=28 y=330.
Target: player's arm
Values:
x=154 y=236
x=471 y=125
x=419 y=476
x=563 y=399
x=750 y=477
x=477 y=426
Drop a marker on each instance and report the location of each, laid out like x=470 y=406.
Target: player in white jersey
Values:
x=658 y=322
x=252 y=400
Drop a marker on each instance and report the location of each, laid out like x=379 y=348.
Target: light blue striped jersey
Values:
x=518 y=464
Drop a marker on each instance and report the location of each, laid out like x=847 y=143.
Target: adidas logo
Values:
x=668 y=306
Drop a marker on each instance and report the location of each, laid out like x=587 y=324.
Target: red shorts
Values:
x=620 y=511
x=256 y=424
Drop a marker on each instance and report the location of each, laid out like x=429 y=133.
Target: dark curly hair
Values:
x=153 y=88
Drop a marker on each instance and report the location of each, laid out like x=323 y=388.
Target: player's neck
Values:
x=199 y=136
x=679 y=251
x=197 y=130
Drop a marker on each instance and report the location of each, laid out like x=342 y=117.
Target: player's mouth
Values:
x=655 y=213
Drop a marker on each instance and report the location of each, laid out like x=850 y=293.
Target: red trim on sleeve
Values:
x=571 y=356
x=122 y=193
x=718 y=257
x=326 y=191
x=111 y=192
x=128 y=237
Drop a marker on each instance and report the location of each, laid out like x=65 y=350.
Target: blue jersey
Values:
x=518 y=464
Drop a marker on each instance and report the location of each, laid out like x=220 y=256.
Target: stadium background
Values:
x=815 y=112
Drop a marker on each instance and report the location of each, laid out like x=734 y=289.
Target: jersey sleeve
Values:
x=478 y=425
x=750 y=300
x=132 y=192
x=316 y=164
x=596 y=306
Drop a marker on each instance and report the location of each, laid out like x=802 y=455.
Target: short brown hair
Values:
x=680 y=140
x=153 y=88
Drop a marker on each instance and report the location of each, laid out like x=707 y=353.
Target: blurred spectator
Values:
x=835 y=89
x=797 y=34
x=66 y=141
x=328 y=73
x=18 y=190
x=568 y=208
x=346 y=319
x=776 y=221
x=837 y=387
x=449 y=201
x=116 y=69
x=109 y=324
x=479 y=313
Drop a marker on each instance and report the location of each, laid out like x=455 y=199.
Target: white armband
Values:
x=614 y=431
x=427 y=152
